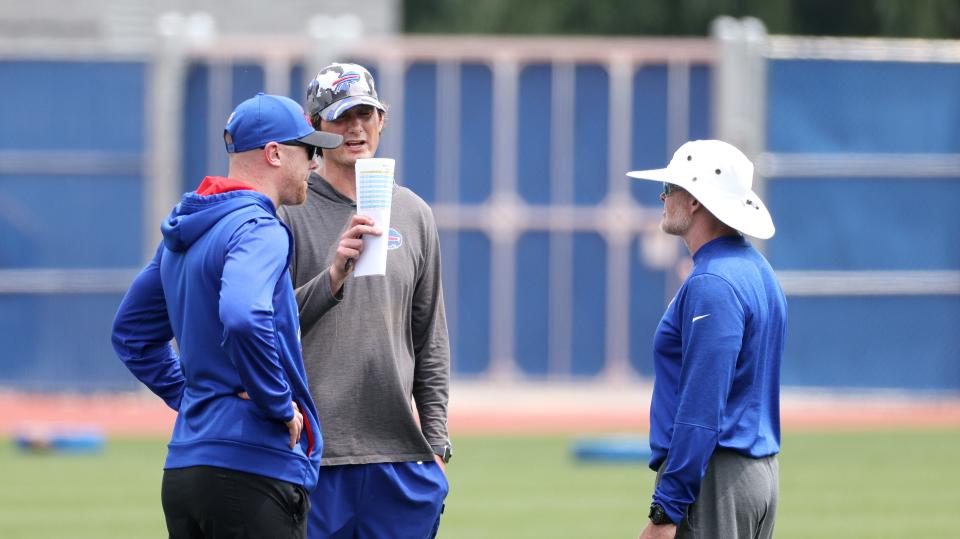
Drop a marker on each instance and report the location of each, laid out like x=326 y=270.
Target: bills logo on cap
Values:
x=345 y=81
x=394 y=239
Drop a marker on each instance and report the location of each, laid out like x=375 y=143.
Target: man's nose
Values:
x=663 y=197
x=356 y=122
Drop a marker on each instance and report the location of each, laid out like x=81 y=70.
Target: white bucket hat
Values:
x=721 y=178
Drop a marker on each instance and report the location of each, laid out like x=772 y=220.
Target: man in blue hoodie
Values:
x=246 y=444
x=715 y=411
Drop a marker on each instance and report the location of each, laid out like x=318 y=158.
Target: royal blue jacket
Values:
x=717 y=354
x=219 y=284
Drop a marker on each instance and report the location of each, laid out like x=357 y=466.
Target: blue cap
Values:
x=266 y=118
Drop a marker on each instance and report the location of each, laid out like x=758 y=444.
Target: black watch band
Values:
x=658 y=516
x=445 y=451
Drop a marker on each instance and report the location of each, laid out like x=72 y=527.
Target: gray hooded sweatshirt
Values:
x=384 y=344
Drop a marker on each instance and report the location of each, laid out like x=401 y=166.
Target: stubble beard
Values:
x=302 y=193
x=296 y=194
x=678 y=225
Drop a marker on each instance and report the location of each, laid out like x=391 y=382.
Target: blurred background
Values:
x=516 y=120
x=554 y=266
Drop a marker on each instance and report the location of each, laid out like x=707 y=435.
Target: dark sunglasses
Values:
x=311 y=150
x=669 y=189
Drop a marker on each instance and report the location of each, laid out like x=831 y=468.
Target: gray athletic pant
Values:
x=738 y=499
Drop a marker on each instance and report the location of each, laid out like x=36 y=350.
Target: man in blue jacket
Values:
x=246 y=444
x=715 y=411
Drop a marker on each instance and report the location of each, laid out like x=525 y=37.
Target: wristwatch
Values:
x=445 y=451
x=658 y=516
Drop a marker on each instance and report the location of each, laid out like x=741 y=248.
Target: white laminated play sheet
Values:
x=374 y=197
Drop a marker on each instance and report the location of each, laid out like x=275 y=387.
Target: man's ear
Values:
x=271 y=154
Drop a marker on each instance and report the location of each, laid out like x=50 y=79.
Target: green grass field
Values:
x=875 y=484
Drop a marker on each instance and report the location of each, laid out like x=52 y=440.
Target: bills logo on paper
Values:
x=394 y=239
x=345 y=81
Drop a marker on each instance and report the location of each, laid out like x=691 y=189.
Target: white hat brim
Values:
x=337 y=108
x=749 y=216
x=658 y=175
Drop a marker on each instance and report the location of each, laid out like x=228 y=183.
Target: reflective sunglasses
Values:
x=669 y=189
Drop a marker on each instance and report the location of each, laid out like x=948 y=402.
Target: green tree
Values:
x=902 y=18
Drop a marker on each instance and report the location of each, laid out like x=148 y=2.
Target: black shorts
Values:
x=210 y=502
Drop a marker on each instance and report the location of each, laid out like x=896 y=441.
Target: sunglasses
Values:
x=669 y=189
x=311 y=150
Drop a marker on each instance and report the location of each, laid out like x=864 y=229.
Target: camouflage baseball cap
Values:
x=339 y=87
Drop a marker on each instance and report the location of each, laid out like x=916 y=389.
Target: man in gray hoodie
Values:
x=384 y=346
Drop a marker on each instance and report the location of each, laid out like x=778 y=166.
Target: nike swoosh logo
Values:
x=695 y=318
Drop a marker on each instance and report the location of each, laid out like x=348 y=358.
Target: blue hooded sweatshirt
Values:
x=219 y=283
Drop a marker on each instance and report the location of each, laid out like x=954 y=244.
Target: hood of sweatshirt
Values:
x=197 y=213
x=322 y=187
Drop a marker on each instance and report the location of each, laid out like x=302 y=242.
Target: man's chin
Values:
x=671 y=228
x=353 y=156
x=300 y=198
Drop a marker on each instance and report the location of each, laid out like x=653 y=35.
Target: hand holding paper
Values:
x=350 y=248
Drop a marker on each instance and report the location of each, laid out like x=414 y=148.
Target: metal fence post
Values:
x=165 y=103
